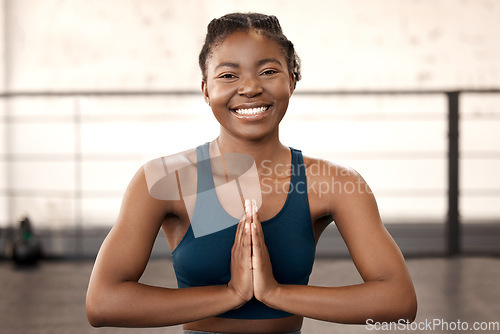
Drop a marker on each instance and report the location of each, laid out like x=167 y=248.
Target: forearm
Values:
x=377 y=300
x=131 y=304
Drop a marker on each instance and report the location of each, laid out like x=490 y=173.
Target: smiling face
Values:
x=248 y=85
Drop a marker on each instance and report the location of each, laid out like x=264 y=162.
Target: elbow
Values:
x=397 y=312
x=98 y=310
x=404 y=302
x=94 y=312
x=410 y=309
x=409 y=303
x=401 y=306
x=406 y=308
x=94 y=319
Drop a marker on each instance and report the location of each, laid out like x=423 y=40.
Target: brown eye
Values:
x=269 y=72
x=227 y=76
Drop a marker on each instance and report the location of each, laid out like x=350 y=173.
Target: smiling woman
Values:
x=248 y=77
x=243 y=251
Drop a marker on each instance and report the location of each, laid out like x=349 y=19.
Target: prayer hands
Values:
x=251 y=269
x=241 y=260
x=263 y=279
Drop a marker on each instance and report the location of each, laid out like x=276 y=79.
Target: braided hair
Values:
x=268 y=25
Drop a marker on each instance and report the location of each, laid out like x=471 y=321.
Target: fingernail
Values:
x=246 y=226
x=254 y=205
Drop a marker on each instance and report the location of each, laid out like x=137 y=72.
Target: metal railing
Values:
x=453 y=221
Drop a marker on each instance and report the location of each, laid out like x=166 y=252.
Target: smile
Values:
x=251 y=111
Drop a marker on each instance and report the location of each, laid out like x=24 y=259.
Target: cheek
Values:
x=281 y=90
x=220 y=95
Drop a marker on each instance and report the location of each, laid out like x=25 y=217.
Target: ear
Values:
x=204 y=89
x=292 y=83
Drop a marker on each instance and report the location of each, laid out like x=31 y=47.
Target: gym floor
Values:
x=50 y=297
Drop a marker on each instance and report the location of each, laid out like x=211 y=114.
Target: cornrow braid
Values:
x=268 y=25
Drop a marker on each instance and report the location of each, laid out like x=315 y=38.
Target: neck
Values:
x=267 y=148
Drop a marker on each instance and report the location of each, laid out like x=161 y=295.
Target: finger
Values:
x=255 y=218
x=255 y=211
x=257 y=238
x=247 y=237
x=257 y=249
x=244 y=231
x=240 y=232
x=237 y=238
x=248 y=210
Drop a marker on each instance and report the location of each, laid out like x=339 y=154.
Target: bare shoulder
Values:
x=331 y=184
x=171 y=163
x=162 y=174
x=321 y=170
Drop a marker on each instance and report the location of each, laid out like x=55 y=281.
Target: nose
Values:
x=250 y=87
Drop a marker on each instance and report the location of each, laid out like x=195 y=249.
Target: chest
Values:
x=271 y=194
x=288 y=236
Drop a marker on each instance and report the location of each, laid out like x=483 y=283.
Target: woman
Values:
x=246 y=275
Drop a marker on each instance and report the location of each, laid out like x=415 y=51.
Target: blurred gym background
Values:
x=406 y=92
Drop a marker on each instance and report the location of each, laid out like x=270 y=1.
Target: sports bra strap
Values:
x=204 y=169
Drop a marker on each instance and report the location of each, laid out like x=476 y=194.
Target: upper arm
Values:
x=125 y=251
x=356 y=215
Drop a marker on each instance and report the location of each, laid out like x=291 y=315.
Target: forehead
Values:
x=245 y=46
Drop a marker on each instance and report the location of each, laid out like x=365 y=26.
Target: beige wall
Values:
x=4 y=204
x=148 y=44
x=397 y=143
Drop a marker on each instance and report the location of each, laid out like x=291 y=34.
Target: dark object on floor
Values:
x=23 y=246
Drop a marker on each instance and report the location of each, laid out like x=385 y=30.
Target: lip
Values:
x=251 y=117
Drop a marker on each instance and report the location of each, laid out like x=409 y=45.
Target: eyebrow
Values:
x=259 y=63
x=232 y=65
x=269 y=60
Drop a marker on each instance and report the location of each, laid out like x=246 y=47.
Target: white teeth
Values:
x=251 y=111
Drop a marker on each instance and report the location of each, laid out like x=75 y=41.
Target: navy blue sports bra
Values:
x=205 y=260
